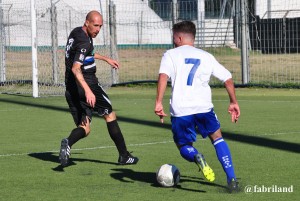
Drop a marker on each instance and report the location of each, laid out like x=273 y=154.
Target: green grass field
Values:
x=265 y=146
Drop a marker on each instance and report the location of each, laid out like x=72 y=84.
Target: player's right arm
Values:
x=163 y=77
x=90 y=97
x=161 y=88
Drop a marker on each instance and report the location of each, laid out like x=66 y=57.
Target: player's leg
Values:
x=104 y=108
x=82 y=130
x=125 y=158
x=184 y=134
x=66 y=143
x=212 y=129
x=224 y=156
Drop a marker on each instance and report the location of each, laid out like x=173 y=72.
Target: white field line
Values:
x=133 y=145
x=10 y=110
x=88 y=148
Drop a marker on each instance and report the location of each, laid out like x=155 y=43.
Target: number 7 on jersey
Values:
x=196 y=63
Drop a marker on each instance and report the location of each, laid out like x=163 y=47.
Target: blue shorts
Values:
x=185 y=128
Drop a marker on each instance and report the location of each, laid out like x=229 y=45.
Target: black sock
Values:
x=117 y=136
x=76 y=134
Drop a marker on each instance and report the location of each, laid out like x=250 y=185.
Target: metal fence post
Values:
x=113 y=38
x=244 y=44
x=35 y=86
x=2 y=46
x=54 y=43
x=201 y=23
x=174 y=11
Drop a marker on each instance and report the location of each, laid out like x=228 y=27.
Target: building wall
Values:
x=136 y=22
x=277 y=8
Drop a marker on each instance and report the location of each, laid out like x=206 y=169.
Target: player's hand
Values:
x=159 y=111
x=90 y=98
x=234 y=111
x=113 y=63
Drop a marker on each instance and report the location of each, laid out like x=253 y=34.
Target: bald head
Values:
x=93 y=23
x=92 y=14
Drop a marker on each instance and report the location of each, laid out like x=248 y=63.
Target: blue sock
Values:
x=188 y=152
x=224 y=156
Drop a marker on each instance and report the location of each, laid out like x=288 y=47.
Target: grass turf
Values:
x=265 y=146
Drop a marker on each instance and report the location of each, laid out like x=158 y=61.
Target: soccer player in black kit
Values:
x=84 y=93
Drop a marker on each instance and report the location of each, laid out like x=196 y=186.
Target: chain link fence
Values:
x=138 y=32
x=55 y=20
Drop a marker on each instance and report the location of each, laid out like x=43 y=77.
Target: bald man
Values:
x=84 y=93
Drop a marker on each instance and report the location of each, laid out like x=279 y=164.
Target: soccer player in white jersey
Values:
x=191 y=106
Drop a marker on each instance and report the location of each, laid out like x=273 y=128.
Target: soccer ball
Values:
x=168 y=175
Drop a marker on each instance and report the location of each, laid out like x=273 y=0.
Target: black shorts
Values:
x=80 y=109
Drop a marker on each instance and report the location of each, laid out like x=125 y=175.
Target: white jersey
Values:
x=190 y=70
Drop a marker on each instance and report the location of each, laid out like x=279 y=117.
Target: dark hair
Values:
x=185 y=27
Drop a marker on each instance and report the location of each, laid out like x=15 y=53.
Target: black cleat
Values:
x=64 y=153
x=233 y=186
x=127 y=160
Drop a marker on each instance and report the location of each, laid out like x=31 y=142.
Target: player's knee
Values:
x=87 y=129
x=85 y=124
x=110 y=117
x=215 y=135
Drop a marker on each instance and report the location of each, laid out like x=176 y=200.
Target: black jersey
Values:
x=80 y=48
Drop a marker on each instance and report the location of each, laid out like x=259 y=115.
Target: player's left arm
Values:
x=233 y=108
x=220 y=72
x=115 y=64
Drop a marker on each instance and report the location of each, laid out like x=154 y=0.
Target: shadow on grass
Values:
x=243 y=138
x=52 y=157
x=264 y=142
x=130 y=176
x=196 y=180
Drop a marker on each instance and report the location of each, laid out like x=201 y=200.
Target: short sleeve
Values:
x=166 y=65
x=81 y=51
x=219 y=71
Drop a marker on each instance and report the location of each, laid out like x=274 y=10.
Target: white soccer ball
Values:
x=168 y=175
